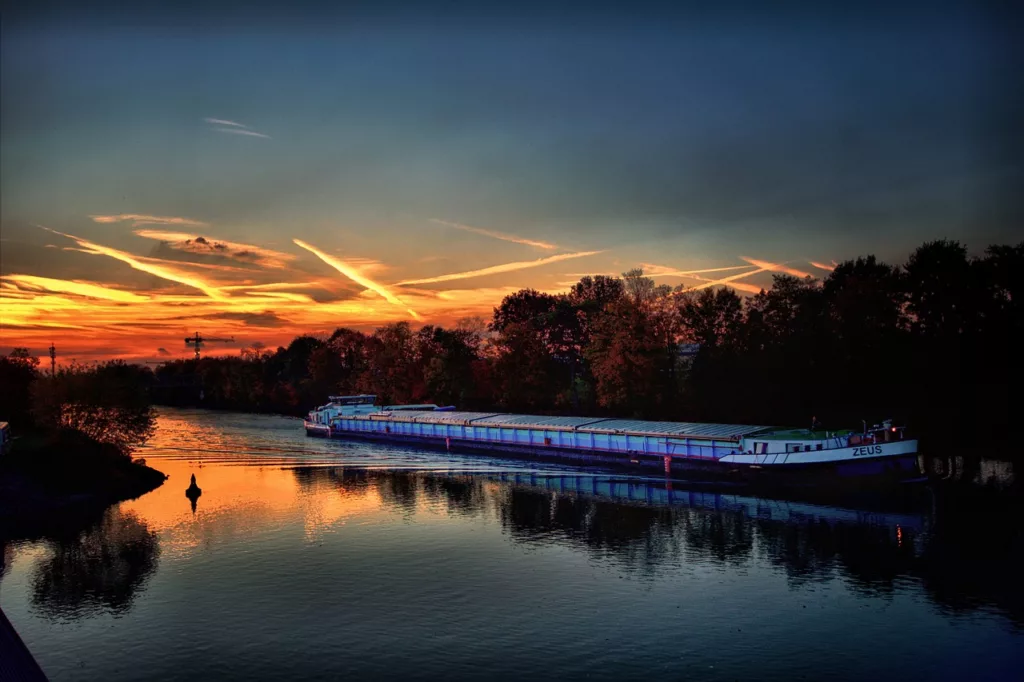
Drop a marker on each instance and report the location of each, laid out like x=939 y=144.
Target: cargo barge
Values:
x=712 y=451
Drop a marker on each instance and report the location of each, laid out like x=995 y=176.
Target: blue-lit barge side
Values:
x=716 y=449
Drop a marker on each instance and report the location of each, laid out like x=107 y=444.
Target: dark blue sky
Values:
x=658 y=134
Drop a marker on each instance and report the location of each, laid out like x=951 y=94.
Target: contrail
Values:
x=225 y=122
x=497 y=269
x=726 y=280
x=494 y=234
x=162 y=272
x=240 y=131
x=822 y=266
x=742 y=286
x=777 y=267
x=661 y=271
x=356 y=276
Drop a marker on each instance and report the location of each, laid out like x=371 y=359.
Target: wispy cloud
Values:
x=822 y=266
x=163 y=272
x=223 y=125
x=77 y=287
x=240 y=131
x=498 y=269
x=494 y=234
x=138 y=219
x=652 y=270
x=728 y=280
x=734 y=283
x=776 y=267
x=192 y=243
x=356 y=276
x=225 y=122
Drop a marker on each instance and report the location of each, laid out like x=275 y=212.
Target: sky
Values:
x=260 y=171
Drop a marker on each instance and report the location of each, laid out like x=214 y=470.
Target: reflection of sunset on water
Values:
x=301 y=548
x=242 y=501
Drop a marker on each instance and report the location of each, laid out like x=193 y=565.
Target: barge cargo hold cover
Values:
x=612 y=436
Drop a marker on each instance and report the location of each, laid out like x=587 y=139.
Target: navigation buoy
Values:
x=193 y=492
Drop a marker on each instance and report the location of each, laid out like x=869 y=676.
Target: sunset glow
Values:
x=261 y=295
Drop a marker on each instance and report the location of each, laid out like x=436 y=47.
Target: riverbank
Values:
x=48 y=477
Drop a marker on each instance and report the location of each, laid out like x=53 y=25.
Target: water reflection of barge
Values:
x=730 y=451
x=663 y=494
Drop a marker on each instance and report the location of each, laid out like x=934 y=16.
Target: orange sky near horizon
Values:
x=140 y=307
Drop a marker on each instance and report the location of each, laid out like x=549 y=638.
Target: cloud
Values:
x=651 y=270
x=776 y=267
x=734 y=283
x=270 y=286
x=497 y=269
x=234 y=128
x=225 y=122
x=494 y=234
x=139 y=219
x=727 y=280
x=87 y=289
x=356 y=276
x=255 y=319
x=163 y=351
x=163 y=272
x=822 y=266
x=241 y=131
x=192 y=243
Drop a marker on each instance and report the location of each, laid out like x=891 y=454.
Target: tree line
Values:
x=932 y=343
x=101 y=407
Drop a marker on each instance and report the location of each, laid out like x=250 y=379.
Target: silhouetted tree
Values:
x=17 y=372
x=932 y=343
x=109 y=403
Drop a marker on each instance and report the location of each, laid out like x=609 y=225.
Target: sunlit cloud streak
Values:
x=494 y=234
x=498 y=269
x=192 y=243
x=651 y=270
x=776 y=267
x=356 y=276
x=727 y=280
x=234 y=128
x=87 y=289
x=163 y=272
x=225 y=122
x=735 y=284
x=241 y=131
x=139 y=219
x=822 y=266
x=272 y=286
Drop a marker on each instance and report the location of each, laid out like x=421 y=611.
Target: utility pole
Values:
x=53 y=360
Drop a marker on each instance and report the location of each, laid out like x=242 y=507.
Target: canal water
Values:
x=305 y=558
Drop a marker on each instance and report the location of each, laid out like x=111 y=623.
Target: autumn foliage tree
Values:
x=108 y=403
x=931 y=343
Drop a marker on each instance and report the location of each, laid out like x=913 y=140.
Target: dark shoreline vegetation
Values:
x=931 y=343
x=75 y=432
